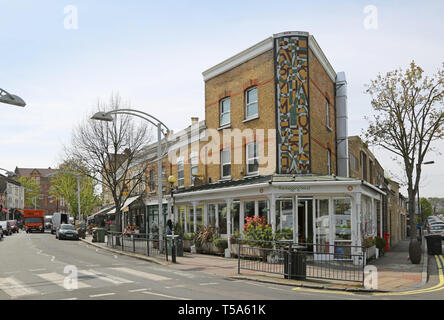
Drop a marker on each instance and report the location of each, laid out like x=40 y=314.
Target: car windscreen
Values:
x=439 y=227
x=33 y=220
x=48 y=219
x=67 y=227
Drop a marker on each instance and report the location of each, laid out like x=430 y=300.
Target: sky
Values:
x=62 y=57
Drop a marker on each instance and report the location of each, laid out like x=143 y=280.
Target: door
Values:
x=321 y=222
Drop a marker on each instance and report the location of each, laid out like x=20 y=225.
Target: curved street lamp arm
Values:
x=141 y=112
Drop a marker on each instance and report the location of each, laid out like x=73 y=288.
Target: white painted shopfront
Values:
x=325 y=210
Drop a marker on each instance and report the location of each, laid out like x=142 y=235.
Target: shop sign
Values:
x=295 y=188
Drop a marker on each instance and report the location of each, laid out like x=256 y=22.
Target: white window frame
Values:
x=224 y=113
x=248 y=159
x=222 y=164
x=249 y=103
x=327 y=113
x=180 y=181
x=194 y=164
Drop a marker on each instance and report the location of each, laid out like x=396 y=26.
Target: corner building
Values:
x=276 y=135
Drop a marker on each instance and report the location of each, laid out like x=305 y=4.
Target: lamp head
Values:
x=172 y=179
x=103 y=116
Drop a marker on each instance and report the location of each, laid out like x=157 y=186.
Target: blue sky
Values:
x=153 y=54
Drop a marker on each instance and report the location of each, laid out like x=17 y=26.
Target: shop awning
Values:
x=126 y=204
x=101 y=212
x=5 y=210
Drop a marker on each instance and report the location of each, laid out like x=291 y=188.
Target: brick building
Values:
x=44 y=201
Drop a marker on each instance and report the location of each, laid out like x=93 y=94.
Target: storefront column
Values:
x=216 y=207
x=358 y=238
x=272 y=199
x=185 y=218
x=176 y=214
x=256 y=208
x=205 y=214
x=241 y=216
x=381 y=234
x=229 y=201
x=374 y=218
x=194 y=216
x=294 y=208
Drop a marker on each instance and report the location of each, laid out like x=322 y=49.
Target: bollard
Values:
x=166 y=249
x=173 y=251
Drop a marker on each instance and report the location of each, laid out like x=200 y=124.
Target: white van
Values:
x=58 y=219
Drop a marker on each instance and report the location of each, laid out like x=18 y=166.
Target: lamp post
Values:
x=172 y=181
x=78 y=187
x=6 y=97
x=107 y=116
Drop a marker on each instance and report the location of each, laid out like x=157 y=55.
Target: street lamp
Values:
x=78 y=176
x=9 y=173
x=172 y=181
x=107 y=116
x=6 y=97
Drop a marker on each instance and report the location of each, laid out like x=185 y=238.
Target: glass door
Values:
x=343 y=227
x=322 y=226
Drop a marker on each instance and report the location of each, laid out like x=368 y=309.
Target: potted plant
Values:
x=370 y=247
x=221 y=245
x=380 y=245
x=155 y=235
x=259 y=235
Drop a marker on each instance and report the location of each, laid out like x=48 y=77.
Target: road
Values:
x=39 y=267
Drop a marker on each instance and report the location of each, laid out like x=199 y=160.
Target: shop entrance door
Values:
x=305 y=220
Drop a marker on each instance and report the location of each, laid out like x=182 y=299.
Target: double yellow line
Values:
x=438 y=287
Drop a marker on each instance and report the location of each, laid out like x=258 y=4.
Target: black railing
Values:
x=302 y=260
x=144 y=244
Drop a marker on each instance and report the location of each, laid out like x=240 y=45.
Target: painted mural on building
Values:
x=293 y=120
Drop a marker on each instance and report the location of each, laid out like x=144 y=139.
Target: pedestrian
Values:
x=169 y=227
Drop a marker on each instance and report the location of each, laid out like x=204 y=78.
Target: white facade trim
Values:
x=264 y=46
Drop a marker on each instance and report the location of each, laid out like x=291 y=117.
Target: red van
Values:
x=34 y=220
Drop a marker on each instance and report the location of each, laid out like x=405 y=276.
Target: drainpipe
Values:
x=342 y=127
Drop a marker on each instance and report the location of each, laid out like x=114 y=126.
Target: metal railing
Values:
x=302 y=260
x=145 y=244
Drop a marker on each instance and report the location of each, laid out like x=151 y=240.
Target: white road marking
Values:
x=93 y=265
x=53 y=258
x=178 y=286
x=149 y=276
x=14 y=288
x=138 y=290
x=59 y=280
x=208 y=284
x=106 y=277
x=69 y=299
x=164 y=295
x=35 y=270
x=102 y=295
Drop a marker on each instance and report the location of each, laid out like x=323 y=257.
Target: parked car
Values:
x=67 y=231
x=6 y=228
x=437 y=229
x=48 y=222
x=1 y=232
x=14 y=226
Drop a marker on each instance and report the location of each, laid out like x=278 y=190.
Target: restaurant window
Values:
x=180 y=174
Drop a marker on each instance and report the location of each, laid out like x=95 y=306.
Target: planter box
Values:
x=370 y=253
x=187 y=245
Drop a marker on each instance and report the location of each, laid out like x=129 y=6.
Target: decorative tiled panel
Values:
x=292 y=104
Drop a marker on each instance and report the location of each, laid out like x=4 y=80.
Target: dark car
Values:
x=1 y=232
x=14 y=226
x=67 y=231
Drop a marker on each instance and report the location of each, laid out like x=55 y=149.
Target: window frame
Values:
x=248 y=104
x=248 y=159
x=180 y=180
x=221 y=113
x=327 y=114
x=222 y=164
x=194 y=165
x=329 y=162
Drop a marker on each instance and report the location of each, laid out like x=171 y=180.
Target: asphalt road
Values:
x=39 y=267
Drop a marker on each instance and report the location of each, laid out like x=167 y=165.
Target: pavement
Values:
x=395 y=272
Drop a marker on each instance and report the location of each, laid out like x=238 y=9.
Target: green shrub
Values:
x=380 y=244
x=221 y=244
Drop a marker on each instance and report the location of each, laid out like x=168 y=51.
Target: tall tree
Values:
x=32 y=190
x=110 y=152
x=65 y=185
x=408 y=117
x=426 y=208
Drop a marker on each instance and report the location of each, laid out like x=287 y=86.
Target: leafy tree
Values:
x=32 y=190
x=408 y=117
x=426 y=208
x=65 y=185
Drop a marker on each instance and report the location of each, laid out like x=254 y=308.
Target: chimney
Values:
x=342 y=127
x=194 y=120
